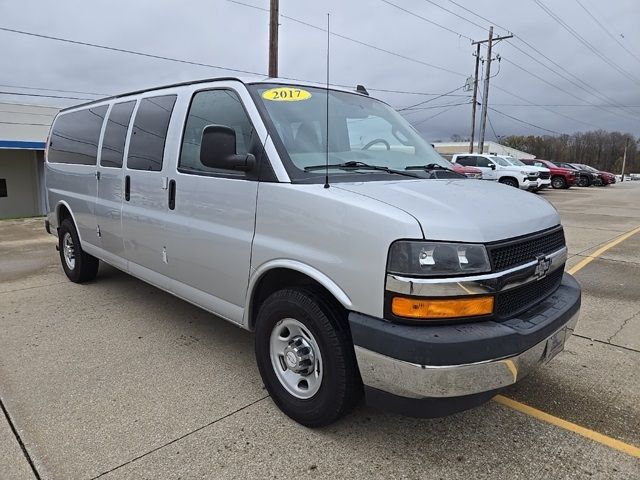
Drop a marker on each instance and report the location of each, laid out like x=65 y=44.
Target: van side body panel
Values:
x=316 y=226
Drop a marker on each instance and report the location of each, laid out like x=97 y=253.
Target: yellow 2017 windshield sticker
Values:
x=286 y=94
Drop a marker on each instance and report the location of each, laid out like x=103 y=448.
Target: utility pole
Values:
x=624 y=159
x=485 y=97
x=273 y=38
x=475 y=99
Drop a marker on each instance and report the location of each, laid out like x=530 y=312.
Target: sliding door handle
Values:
x=172 y=194
x=127 y=188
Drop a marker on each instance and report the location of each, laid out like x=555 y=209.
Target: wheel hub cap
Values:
x=299 y=356
x=69 y=251
x=296 y=358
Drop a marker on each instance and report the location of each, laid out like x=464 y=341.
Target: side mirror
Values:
x=218 y=150
x=492 y=166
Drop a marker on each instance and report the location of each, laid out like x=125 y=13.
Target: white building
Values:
x=449 y=148
x=23 y=134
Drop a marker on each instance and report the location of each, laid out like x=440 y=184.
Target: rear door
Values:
x=211 y=219
x=145 y=188
x=111 y=181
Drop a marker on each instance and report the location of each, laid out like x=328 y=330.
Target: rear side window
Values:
x=115 y=134
x=146 y=147
x=213 y=107
x=75 y=136
x=466 y=161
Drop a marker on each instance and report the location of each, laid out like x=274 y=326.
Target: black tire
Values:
x=512 y=182
x=341 y=386
x=85 y=266
x=584 y=181
x=558 y=182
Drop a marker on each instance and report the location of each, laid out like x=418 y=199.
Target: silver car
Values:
x=321 y=220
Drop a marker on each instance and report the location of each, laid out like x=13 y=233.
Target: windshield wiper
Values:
x=359 y=165
x=428 y=166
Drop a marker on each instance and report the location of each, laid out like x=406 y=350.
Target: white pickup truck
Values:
x=496 y=168
x=544 y=180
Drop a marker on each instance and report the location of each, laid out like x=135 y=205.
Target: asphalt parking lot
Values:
x=116 y=379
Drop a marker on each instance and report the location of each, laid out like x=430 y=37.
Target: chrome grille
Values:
x=513 y=253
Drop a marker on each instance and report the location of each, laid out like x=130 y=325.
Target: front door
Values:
x=211 y=220
x=488 y=168
x=111 y=182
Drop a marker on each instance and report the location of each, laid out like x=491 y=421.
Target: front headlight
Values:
x=522 y=172
x=418 y=258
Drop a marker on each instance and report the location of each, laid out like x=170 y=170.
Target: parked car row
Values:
x=529 y=174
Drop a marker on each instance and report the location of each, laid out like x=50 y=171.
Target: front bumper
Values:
x=544 y=182
x=464 y=360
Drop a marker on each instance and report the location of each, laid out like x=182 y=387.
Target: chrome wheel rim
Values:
x=296 y=358
x=68 y=251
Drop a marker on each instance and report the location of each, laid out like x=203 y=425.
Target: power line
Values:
x=524 y=122
x=24 y=87
x=427 y=20
x=589 y=89
x=429 y=100
x=595 y=19
x=45 y=96
x=437 y=114
x=560 y=105
x=585 y=42
x=454 y=13
x=354 y=40
x=432 y=107
x=131 y=52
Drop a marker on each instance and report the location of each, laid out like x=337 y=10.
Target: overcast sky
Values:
x=223 y=33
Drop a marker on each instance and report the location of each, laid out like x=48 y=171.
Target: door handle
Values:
x=172 y=194
x=127 y=188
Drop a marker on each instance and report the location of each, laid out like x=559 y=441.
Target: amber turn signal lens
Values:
x=435 y=309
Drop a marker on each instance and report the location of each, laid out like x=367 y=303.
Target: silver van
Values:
x=319 y=219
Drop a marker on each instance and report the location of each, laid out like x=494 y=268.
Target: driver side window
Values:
x=484 y=162
x=213 y=107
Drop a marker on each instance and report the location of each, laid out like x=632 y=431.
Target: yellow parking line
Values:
x=572 y=427
x=590 y=258
x=585 y=432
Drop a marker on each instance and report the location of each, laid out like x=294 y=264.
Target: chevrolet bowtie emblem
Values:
x=543 y=266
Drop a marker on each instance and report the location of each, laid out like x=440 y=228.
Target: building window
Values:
x=3 y=187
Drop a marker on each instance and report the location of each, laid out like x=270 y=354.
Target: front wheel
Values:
x=305 y=356
x=558 y=182
x=78 y=265
x=512 y=182
x=583 y=181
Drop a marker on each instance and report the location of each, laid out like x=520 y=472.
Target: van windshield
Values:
x=367 y=139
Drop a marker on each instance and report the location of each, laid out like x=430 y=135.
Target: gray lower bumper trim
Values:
x=426 y=381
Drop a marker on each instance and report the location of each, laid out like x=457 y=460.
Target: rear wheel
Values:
x=512 y=182
x=583 y=181
x=78 y=265
x=305 y=356
x=558 y=182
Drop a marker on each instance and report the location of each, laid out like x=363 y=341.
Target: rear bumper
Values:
x=405 y=364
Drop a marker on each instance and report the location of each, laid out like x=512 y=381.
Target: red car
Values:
x=560 y=177
x=608 y=178
x=470 y=172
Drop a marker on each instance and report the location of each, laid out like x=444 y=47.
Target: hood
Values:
x=526 y=168
x=463 y=210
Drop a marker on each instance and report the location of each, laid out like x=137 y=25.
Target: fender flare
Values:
x=57 y=210
x=297 y=266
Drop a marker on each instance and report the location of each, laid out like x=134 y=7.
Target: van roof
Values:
x=244 y=80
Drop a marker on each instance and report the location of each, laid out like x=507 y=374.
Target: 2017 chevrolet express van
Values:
x=396 y=277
